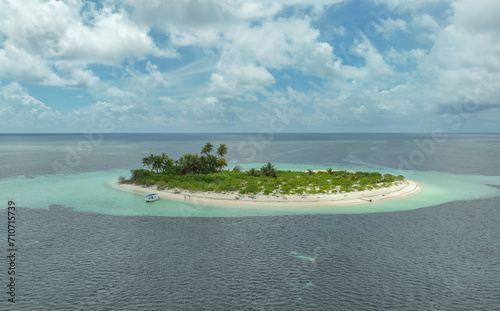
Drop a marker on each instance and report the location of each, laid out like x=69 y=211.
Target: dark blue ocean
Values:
x=84 y=244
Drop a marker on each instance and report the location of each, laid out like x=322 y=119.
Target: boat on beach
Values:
x=152 y=197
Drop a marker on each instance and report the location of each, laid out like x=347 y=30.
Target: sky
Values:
x=253 y=66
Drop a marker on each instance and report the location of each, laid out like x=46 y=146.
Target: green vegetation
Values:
x=188 y=164
x=205 y=172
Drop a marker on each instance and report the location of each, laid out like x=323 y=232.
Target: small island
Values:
x=201 y=178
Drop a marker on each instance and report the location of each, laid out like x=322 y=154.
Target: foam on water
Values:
x=97 y=192
x=302 y=257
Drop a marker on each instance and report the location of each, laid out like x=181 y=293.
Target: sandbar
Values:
x=399 y=189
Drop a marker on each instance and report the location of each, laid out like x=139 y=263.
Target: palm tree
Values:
x=148 y=161
x=207 y=148
x=195 y=164
x=310 y=172
x=208 y=164
x=221 y=163
x=268 y=170
x=222 y=150
x=329 y=171
x=157 y=163
x=166 y=163
x=185 y=164
x=253 y=172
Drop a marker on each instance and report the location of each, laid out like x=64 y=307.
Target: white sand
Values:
x=399 y=190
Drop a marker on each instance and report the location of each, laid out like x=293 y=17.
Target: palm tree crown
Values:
x=207 y=148
x=222 y=150
x=268 y=170
x=253 y=172
x=148 y=161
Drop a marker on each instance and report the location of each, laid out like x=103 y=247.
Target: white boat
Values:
x=152 y=197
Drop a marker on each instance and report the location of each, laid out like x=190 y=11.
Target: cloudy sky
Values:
x=250 y=66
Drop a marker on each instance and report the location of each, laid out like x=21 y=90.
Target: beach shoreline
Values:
x=400 y=189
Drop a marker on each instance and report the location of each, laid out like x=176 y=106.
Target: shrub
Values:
x=324 y=189
x=389 y=178
x=123 y=180
x=299 y=191
x=268 y=191
x=285 y=189
x=253 y=172
x=268 y=170
x=251 y=187
x=140 y=173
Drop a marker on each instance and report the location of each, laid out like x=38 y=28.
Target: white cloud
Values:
x=52 y=43
x=390 y=26
x=155 y=75
x=359 y=110
x=211 y=100
x=208 y=111
x=425 y=27
x=394 y=89
x=425 y=21
x=233 y=80
x=19 y=64
x=279 y=44
x=405 y=5
x=119 y=113
x=385 y=107
x=232 y=59
x=477 y=16
x=59 y=30
x=375 y=64
x=464 y=59
x=246 y=32
x=340 y=30
x=403 y=57
x=18 y=108
x=274 y=44
x=202 y=19
x=322 y=62
x=199 y=22
x=118 y=93
x=112 y=38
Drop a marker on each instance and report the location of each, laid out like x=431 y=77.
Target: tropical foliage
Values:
x=204 y=173
x=204 y=163
x=268 y=170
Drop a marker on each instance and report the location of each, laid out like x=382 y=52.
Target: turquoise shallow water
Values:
x=97 y=192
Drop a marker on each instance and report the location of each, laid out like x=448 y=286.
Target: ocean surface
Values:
x=84 y=244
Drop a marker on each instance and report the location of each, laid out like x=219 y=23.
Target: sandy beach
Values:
x=399 y=190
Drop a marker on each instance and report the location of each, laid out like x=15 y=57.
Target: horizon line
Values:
x=239 y=133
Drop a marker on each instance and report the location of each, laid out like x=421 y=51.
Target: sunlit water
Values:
x=86 y=245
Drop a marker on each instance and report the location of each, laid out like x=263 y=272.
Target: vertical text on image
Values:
x=11 y=251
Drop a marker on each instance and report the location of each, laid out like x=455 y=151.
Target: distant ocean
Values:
x=83 y=244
